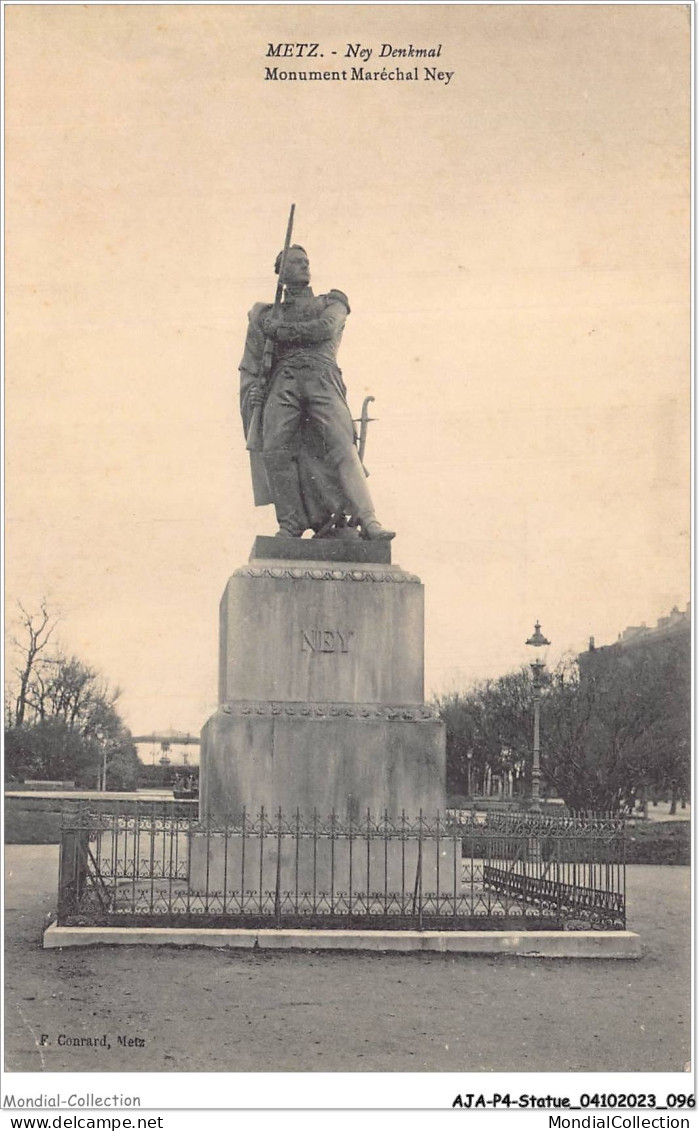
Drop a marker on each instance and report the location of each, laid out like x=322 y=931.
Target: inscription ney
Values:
x=326 y=639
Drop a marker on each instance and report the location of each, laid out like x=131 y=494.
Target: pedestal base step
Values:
x=524 y=944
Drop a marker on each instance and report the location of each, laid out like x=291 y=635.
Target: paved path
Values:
x=223 y=1011
x=661 y=812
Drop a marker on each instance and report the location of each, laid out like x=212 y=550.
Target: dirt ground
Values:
x=219 y=1010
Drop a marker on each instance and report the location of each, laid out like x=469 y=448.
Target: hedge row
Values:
x=658 y=842
x=662 y=842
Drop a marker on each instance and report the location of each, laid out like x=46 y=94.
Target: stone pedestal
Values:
x=321 y=632
x=341 y=757
x=320 y=692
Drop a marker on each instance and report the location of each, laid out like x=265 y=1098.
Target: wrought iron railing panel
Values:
x=497 y=869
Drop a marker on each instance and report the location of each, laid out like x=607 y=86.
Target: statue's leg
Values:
x=332 y=416
x=279 y=428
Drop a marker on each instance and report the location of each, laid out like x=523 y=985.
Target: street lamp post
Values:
x=469 y=756
x=102 y=770
x=538 y=640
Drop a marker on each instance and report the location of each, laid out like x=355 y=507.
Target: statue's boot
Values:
x=353 y=481
x=373 y=531
x=283 y=477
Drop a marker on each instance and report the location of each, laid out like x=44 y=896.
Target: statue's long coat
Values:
x=320 y=488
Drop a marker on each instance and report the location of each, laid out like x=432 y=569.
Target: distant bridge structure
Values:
x=166 y=740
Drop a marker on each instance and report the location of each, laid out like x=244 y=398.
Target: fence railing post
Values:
x=70 y=878
x=297 y=849
x=243 y=838
x=315 y=862
x=278 y=882
x=152 y=853
x=333 y=818
x=367 y=900
x=458 y=850
x=262 y=851
x=226 y=835
x=385 y=861
x=418 y=877
x=351 y=877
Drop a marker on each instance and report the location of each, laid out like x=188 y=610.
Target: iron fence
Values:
x=485 y=871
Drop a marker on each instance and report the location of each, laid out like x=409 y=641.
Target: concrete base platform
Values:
x=524 y=944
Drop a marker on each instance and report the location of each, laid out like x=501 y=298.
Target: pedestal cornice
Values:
x=409 y=712
x=325 y=571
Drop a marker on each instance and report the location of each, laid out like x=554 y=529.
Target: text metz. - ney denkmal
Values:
x=352 y=51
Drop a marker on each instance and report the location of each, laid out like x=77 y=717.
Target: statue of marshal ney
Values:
x=308 y=465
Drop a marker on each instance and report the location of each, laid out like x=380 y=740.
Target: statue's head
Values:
x=296 y=267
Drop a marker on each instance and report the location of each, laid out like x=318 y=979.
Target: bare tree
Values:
x=61 y=719
x=38 y=629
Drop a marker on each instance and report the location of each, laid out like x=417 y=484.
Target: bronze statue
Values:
x=305 y=460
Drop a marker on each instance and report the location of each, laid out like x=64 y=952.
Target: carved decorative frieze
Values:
x=413 y=713
x=325 y=573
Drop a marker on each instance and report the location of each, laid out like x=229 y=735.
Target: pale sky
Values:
x=515 y=248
